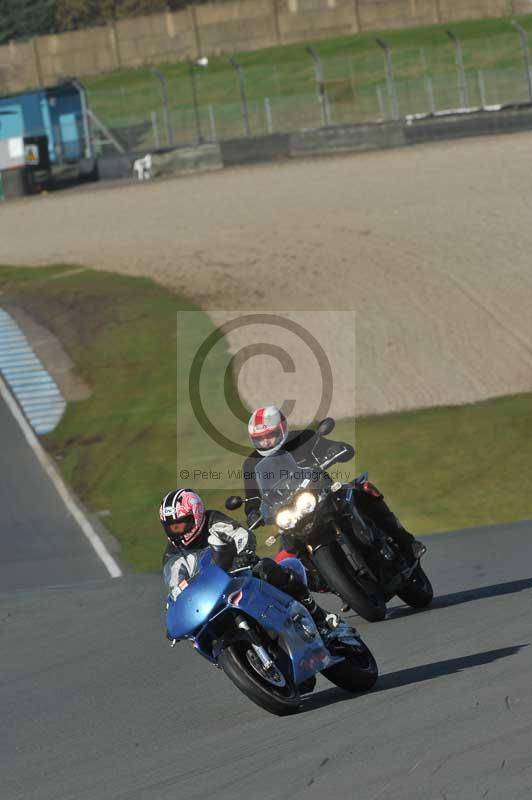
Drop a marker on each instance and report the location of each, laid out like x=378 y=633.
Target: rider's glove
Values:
x=223 y=555
x=270 y=571
x=247 y=558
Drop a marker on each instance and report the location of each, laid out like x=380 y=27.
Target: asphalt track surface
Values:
x=95 y=705
x=40 y=542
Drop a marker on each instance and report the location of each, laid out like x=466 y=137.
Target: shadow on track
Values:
x=467 y=596
x=412 y=675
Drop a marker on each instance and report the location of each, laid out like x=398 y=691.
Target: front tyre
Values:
x=357 y=673
x=418 y=591
x=270 y=690
x=368 y=601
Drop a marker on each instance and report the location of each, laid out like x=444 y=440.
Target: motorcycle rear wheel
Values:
x=357 y=673
x=280 y=700
x=418 y=592
x=368 y=602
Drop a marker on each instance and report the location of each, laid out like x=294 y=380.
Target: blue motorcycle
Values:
x=265 y=641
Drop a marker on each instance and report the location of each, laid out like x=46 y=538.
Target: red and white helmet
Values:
x=182 y=506
x=268 y=429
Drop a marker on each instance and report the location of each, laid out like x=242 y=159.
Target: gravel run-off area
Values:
x=426 y=251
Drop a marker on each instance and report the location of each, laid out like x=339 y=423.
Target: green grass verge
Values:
x=440 y=469
x=353 y=71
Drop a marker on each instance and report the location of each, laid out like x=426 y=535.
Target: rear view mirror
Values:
x=233 y=502
x=325 y=426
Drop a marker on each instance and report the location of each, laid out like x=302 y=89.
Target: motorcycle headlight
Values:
x=305 y=503
x=286 y=519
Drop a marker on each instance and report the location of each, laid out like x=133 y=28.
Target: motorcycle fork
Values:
x=256 y=644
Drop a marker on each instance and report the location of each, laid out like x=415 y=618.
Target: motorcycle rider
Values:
x=268 y=433
x=191 y=528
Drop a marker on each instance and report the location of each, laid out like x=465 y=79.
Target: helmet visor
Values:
x=265 y=441
x=179 y=527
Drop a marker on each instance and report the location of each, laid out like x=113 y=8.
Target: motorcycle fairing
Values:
x=194 y=606
x=191 y=614
x=275 y=610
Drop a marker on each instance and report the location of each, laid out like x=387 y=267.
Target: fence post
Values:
x=380 y=101
x=164 y=91
x=36 y=61
x=275 y=15
x=88 y=148
x=192 y=64
x=526 y=53
x=115 y=44
x=482 y=88
x=155 y=129
x=268 y=114
x=212 y=123
x=243 y=99
x=390 y=81
x=428 y=81
x=430 y=94
x=322 y=94
x=459 y=61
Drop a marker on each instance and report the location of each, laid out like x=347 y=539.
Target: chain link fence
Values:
x=202 y=102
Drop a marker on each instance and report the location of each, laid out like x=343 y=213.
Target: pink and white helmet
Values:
x=182 y=505
x=268 y=429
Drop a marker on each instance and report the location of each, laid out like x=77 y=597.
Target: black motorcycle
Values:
x=356 y=560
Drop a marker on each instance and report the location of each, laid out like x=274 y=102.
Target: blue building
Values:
x=59 y=113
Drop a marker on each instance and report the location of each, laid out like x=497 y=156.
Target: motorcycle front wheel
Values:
x=357 y=673
x=367 y=600
x=267 y=688
x=418 y=591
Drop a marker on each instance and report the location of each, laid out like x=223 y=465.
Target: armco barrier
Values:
x=457 y=126
x=347 y=138
x=323 y=141
x=114 y=167
x=252 y=151
x=181 y=161
x=203 y=158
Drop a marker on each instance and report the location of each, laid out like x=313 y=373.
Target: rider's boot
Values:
x=371 y=502
x=329 y=624
x=288 y=581
x=418 y=549
x=410 y=547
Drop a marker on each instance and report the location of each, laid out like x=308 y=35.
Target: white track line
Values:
x=99 y=547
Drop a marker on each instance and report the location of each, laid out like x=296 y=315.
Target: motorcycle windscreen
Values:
x=279 y=478
x=195 y=605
